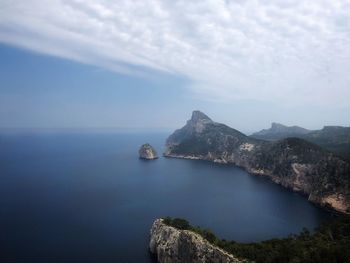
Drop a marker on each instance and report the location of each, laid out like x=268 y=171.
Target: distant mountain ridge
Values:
x=292 y=162
x=279 y=131
x=333 y=138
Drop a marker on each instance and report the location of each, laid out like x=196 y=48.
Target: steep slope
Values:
x=171 y=245
x=294 y=163
x=201 y=136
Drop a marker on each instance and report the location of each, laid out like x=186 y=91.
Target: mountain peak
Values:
x=276 y=125
x=198 y=116
x=279 y=131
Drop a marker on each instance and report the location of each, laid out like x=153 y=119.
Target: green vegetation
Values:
x=329 y=243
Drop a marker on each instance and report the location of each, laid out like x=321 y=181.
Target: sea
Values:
x=87 y=197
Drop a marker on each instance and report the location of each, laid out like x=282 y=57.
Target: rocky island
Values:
x=294 y=163
x=147 y=152
x=172 y=245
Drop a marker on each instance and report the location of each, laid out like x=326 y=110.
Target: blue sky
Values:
x=45 y=91
x=147 y=65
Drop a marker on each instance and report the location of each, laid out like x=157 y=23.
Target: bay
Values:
x=87 y=197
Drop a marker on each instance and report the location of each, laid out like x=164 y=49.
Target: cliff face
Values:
x=171 y=245
x=147 y=152
x=293 y=163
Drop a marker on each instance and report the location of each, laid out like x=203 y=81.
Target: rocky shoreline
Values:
x=334 y=204
x=292 y=163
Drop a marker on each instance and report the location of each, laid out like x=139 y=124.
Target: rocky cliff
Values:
x=294 y=163
x=147 y=152
x=171 y=245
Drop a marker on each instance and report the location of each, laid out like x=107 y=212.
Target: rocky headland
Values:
x=147 y=152
x=172 y=245
x=321 y=175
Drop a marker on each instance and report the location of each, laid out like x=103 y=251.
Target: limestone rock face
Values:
x=292 y=162
x=171 y=245
x=147 y=152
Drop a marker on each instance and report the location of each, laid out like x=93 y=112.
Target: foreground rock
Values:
x=294 y=163
x=171 y=245
x=147 y=152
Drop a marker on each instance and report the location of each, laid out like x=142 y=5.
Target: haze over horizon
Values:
x=147 y=65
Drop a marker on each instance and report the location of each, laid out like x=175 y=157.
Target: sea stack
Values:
x=147 y=152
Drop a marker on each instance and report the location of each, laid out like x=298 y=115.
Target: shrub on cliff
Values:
x=178 y=223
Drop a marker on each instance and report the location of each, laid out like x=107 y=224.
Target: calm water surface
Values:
x=88 y=198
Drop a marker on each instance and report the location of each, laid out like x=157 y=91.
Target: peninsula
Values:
x=294 y=163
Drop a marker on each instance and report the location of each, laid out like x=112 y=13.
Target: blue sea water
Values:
x=86 y=197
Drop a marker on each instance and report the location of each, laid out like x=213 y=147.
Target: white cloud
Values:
x=289 y=51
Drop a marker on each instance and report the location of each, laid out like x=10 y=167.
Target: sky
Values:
x=145 y=65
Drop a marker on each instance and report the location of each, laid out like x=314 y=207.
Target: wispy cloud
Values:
x=289 y=51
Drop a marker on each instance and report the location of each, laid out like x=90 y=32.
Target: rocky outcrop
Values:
x=147 y=152
x=293 y=163
x=171 y=245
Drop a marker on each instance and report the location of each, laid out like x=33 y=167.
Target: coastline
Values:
x=314 y=200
